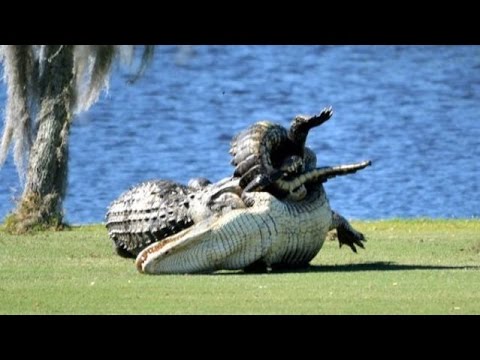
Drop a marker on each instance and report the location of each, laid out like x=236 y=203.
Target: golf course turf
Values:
x=416 y=266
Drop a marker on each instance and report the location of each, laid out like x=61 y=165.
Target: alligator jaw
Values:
x=222 y=241
x=320 y=175
x=149 y=260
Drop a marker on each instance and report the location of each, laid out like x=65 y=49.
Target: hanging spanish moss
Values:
x=21 y=94
x=92 y=69
x=46 y=86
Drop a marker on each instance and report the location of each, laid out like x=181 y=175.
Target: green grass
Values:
x=409 y=267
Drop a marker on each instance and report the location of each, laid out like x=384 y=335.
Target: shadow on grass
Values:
x=369 y=266
x=380 y=266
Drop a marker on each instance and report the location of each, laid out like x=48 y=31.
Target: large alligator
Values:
x=274 y=200
x=154 y=210
x=270 y=234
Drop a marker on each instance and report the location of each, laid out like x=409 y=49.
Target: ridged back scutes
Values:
x=147 y=213
x=256 y=145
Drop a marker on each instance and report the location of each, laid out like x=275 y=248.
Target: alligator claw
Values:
x=346 y=234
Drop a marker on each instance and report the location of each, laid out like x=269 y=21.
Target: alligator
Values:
x=156 y=209
x=283 y=192
x=272 y=234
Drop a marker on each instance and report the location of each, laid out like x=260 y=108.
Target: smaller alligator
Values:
x=266 y=154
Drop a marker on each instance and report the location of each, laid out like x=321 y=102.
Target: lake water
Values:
x=413 y=110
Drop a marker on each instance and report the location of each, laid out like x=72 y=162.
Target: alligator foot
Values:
x=346 y=234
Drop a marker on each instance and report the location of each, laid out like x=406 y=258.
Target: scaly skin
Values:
x=240 y=222
x=153 y=210
x=272 y=233
x=266 y=152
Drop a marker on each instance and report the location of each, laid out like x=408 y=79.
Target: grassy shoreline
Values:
x=412 y=266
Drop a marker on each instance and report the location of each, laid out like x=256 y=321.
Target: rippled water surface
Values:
x=413 y=110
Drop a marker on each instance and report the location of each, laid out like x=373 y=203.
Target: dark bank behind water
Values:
x=413 y=110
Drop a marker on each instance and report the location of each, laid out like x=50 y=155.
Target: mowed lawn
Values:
x=408 y=267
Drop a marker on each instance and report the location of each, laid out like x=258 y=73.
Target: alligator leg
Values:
x=347 y=235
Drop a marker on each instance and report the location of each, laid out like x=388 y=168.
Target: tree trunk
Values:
x=46 y=181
